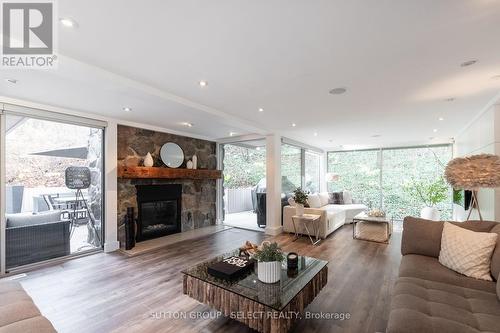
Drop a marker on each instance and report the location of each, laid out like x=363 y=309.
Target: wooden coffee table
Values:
x=268 y=308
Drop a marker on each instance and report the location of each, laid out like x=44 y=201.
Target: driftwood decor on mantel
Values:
x=166 y=173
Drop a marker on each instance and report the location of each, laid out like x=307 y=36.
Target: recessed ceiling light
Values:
x=338 y=91
x=127 y=109
x=440 y=118
x=315 y=133
x=468 y=63
x=232 y=133
x=435 y=130
x=203 y=83
x=451 y=99
x=294 y=124
x=261 y=110
x=67 y=22
x=258 y=148
x=187 y=124
x=330 y=140
x=10 y=80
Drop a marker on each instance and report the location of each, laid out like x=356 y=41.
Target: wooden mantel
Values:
x=166 y=173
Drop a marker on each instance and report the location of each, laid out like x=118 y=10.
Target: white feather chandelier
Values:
x=472 y=173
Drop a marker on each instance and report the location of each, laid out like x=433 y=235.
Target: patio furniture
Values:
x=32 y=238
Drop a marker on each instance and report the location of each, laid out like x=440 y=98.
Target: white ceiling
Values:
x=399 y=60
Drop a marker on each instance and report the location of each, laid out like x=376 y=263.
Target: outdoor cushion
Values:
x=467 y=252
x=23 y=219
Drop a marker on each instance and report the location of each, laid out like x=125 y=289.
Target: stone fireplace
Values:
x=159 y=210
x=198 y=197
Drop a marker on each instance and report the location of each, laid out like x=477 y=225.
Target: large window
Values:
x=291 y=168
x=311 y=173
x=386 y=178
x=299 y=168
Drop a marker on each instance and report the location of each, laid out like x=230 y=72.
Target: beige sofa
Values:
x=428 y=297
x=332 y=217
x=18 y=313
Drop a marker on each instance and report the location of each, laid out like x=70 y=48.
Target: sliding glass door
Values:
x=53 y=189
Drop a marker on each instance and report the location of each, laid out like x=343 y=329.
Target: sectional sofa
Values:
x=333 y=216
x=428 y=297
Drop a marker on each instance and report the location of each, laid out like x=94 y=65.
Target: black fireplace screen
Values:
x=160 y=216
x=159 y=210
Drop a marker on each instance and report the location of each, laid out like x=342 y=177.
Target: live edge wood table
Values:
x=272 y=308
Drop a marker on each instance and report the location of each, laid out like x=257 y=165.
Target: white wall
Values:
x=483 y=136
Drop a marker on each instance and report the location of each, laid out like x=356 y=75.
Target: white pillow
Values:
x=347 y=198
x=467 y=252
x=324 y=197
x=313 y=201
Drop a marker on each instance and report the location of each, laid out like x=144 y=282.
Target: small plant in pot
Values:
x=430 y=193
x=269 y=257
x=300 y=199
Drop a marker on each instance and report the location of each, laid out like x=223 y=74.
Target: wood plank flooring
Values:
x=116 y=293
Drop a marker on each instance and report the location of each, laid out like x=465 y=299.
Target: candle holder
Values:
x=292 y=261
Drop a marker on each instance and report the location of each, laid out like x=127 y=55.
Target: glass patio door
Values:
x=52 y=189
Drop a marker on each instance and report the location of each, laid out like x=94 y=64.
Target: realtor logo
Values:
x=28 y=35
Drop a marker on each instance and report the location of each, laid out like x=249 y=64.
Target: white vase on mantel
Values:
x=195 y=161
x=430 y=213
x=148 y=160
x=189 y=164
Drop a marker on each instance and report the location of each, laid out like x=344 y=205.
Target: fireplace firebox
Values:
x=159 y=210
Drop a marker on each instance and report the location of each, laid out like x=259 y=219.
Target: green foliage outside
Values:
x=243 y=167
x=269 y=252
x=379 y=178
x=430 y=193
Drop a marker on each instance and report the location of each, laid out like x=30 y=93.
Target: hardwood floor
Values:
x=115 y=293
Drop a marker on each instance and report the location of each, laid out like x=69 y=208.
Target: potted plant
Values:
x=430 y=194
x=269 y=257
x=300 y=199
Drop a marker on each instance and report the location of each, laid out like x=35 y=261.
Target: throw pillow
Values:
x=313 y=201
x=347 y=197
x=467 y=252
x=336 y=198
x=324 y=198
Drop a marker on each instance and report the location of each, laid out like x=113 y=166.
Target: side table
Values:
x=306 y=219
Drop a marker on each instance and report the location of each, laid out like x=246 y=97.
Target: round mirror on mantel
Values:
x=172 y=155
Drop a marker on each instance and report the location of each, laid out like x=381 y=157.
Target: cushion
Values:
x=324 y=198
x=467 y=252
x=314 y=201
x=23 y=219
x=346 y=195
x=420 y=305
x=427 y=268
x=336 y=198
